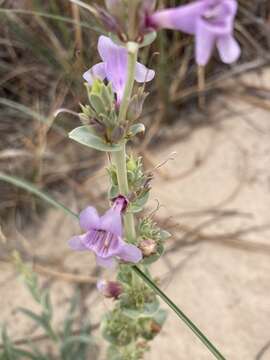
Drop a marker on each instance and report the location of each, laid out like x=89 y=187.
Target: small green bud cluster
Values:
x=101 y=114
x=138 y=181
x=135 y=319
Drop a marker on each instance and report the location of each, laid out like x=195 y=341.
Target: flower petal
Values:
x=104 y=244
x=77 y=243
x=228 y=48
x=96 y=72
x=143 y=74
x=205 y=41
x=111 y=221
x=182 y=18
x=219 y=17
x=106 y=47
x=232 y=6
x=130 y=253
x=115 y=59
x=89 y=218
x=109 y=263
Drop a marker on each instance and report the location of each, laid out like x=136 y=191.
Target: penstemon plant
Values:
x=110 y=122
x=121 y=240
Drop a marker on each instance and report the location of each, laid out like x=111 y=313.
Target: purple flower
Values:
x=104 y=235
x=211 y=21
x=114 y=67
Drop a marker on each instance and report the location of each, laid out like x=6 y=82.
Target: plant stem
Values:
x=179 y=313
x=132 y=7
x=132 y=49
x=119 y=157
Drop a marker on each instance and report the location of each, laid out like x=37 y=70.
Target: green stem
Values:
x=132 y=49
x=119 y=157
x=179 y=313
x=132 y=7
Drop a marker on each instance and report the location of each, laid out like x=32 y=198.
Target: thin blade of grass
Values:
x=53 y=17
x=23 y=184
x=88 y=7
x=33 y=114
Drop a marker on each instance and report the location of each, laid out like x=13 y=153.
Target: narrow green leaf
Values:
x=25 y=354
x=9 y=353
x=46 y=305
x=84 y=136
x=38 y=319
x=34 y=190
x=53 y=17
x=29 y=112
x=179 y=313
x=82 y=339
x=70 y=317
x=107 y=96
x=97 y=103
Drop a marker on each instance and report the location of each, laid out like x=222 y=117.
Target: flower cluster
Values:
x=113 y=67
x=210 y=21
x=109 y=122
x=104 y=236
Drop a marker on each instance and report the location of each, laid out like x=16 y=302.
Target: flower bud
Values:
x=136 y=105
x=98 y=127
x=120 y=202
x=109 y=289
x=155 y=327
x=117 y=134
x=148 y=247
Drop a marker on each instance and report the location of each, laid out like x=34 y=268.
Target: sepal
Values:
x=136 y=105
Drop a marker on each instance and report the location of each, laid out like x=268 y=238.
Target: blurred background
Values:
x=209 y=150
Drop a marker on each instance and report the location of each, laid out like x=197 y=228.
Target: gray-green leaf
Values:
x=85 y=136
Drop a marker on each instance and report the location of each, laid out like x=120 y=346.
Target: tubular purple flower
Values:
x=114 y=67
x=211 y=21
x=103 y=236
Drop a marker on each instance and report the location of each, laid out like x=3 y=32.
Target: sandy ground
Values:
x=220 y=272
